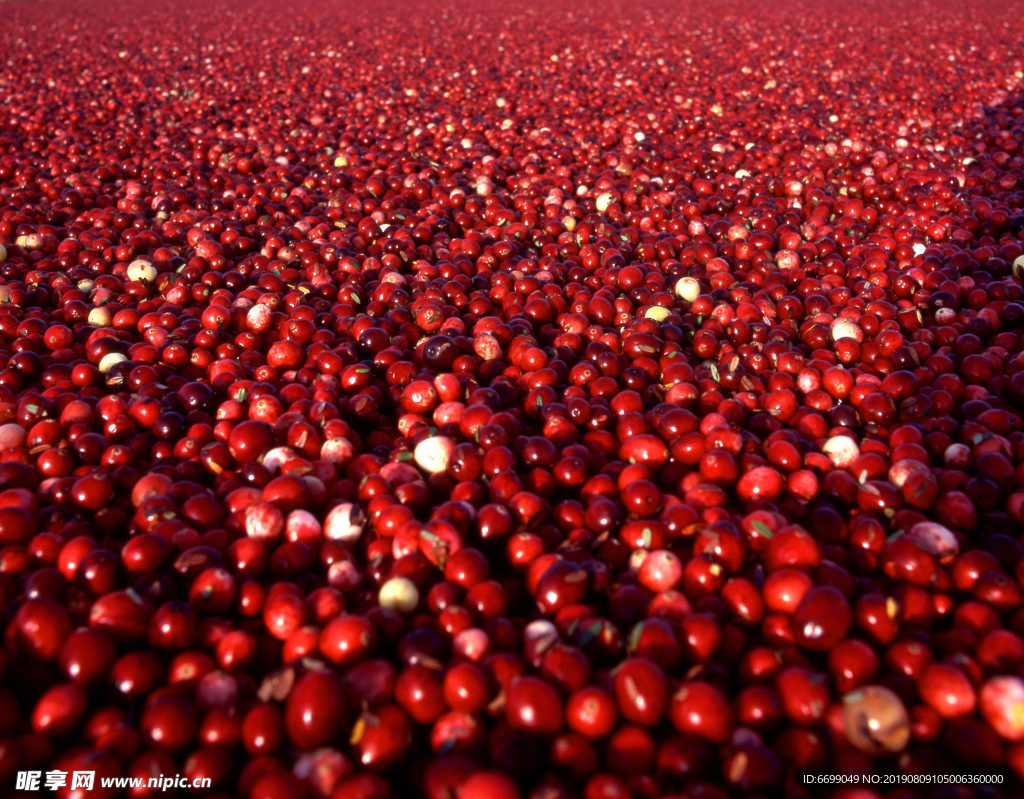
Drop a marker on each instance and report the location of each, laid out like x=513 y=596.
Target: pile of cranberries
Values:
x=533 y=400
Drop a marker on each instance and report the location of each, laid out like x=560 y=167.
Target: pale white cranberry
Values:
x=688 y=289
x=30 y=241
x=99 y=317
x=432 y=454
x=958 y=456
x=399 y=594
x=338 y=451
x=841 y=450
x=935 y=538
x=540 y=629
x=902 y=470
x=276 y=458
x=473 y=644
x=259 y=318
x=808 y=380
x=110 y=360
x=301 y=525
x=12 y=436
x=344 y=523
x=876 y=720
x=264 y=521
x=487 y=347
x=787 y=259
x=141 y=270
x=538 y=637
x=846 y=328
x=1002 y=706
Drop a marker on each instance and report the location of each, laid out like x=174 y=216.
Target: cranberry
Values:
x=170 y=724
x=262 y=729
x=419 y=691
x=875 y=720
x=381 y=737
x=466 y=688
x=699 y=708
x=347 y=639
x=822 y=619
x=488 y=785
x=591 y=712
x=947 y=689
x=534 y=705
x=59 y=710
x=1000 y=701
x=87 y=655
x=316 y=711
x=641 y=691
x=41 y=625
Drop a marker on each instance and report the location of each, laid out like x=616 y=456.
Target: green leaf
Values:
x=763 y=529
x=590 y=632
x=634 y=636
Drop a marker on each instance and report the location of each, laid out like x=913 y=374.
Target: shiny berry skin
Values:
x=591 y=712
x=488 y=785
x=419 y=691
x=698 y=708
x=381 y=737
x=59 y=710
x=316 y=710
x=170 y=724
x=40 y=626
x=533 y=705
x=249 y=440
x=347 y=639
x=262 y=729
x=948 y=690
x=641 y=691
x=565 y=583
x=822 y=619
x=466 y=688
x=87 y=655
